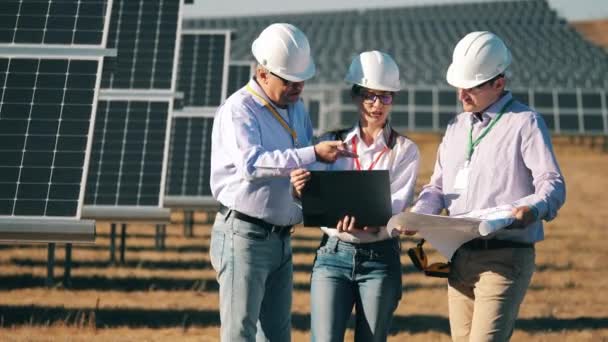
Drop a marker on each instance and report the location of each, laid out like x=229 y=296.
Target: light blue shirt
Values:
x=252 y=155
x=513 y=164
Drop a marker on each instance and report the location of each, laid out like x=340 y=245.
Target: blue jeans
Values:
x=367 y=276
x=255 y=272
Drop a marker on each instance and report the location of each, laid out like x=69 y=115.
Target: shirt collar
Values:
x=491 y=112
x=384 y=136
x=256 y=87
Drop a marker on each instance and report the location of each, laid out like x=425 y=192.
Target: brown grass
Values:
x=172 y=295
x=595 y=31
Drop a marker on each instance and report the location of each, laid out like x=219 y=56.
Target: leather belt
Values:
x=484 y=244
x=254 y=220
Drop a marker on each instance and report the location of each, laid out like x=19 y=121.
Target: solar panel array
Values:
x=130 y=140
x=47 y=101
x=559 y=72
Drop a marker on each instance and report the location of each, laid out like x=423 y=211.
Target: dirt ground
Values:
x=172 y=295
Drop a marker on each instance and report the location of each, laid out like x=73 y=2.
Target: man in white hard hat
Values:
x=260 y=134
x=498 y=152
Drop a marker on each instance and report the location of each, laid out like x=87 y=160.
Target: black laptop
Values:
x=330 y=195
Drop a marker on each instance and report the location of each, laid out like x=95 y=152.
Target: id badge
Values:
x=462 y=177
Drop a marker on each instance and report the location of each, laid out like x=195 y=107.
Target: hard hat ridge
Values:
x=374 y=70
x=284 y=50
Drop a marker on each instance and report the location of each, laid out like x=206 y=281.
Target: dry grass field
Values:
x=172 y=295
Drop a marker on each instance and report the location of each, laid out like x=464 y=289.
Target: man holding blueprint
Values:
x=498 y=152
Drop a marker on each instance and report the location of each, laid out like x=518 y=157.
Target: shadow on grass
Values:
x=134 y=264
x=32 y=315
x=131 y=284
x=190 y=248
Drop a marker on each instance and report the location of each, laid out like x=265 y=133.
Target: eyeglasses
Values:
x=419 y=259
x=286 y=83
x=386 y=99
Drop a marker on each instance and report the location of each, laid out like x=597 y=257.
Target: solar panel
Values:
x=144 y=33
x=69 y=22
x=190 y=157
x=203 y=67
x=239 y=73
x=50 y=65
x=128 y=159
x=127 y=153
x=45 y=117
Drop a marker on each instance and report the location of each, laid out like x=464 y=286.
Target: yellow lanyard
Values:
x=292 y=132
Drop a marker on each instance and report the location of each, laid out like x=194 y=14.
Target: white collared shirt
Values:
x=402 y=162
x=252 y=155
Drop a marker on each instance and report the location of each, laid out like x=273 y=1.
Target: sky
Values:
x=572 y=10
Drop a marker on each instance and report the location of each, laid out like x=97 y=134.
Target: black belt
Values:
x=482 y=244
x=253 y=220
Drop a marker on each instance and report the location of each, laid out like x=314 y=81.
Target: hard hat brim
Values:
x=372 y=86
x=455 y=81
x=301 y=76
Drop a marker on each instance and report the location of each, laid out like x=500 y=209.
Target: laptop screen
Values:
x=330 y=195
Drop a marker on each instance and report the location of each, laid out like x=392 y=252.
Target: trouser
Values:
x=367 y=276
x=485 y=290
x=255 y=273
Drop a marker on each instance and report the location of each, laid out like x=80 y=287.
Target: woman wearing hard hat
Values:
x=353 y=266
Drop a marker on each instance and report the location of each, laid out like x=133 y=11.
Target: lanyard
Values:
x=277 y=116
x=358 y=164
x=473 y=144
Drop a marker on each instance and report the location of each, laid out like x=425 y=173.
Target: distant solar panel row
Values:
x=144 y=32
x=190 y=157
x=127 y=153
x=71 y=22
x=45 y=113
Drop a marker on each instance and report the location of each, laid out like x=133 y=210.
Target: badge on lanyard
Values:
x=462 y=177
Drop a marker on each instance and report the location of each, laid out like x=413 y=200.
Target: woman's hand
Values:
x=298 y=178
x=347 y=224
x=399 y=230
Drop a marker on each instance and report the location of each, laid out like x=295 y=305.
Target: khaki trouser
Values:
x=485 y=289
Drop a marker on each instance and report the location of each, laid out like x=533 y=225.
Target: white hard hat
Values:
x=284 y=50
x=374 y=70
x=478 y=57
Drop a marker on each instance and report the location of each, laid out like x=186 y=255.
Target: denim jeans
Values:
x=255 y=272
x=367 y=276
